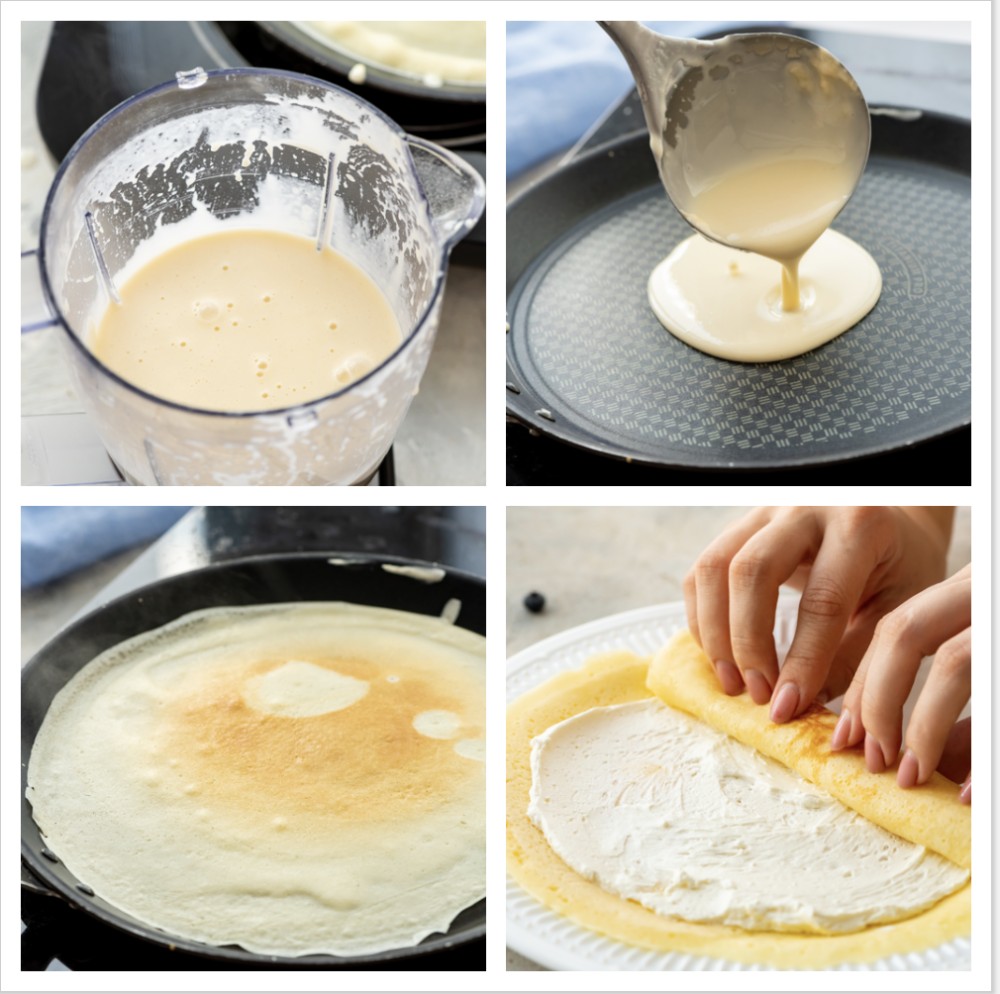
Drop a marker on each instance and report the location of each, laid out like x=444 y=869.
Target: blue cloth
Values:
x=59 y=540
x=561 y=76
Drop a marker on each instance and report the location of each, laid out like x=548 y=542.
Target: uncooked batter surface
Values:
x=447 y=50
x=729 y=303
x=246 y=321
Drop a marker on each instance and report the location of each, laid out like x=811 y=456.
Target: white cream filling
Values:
x=660 y=808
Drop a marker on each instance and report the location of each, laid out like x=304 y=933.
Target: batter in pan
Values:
x=796 y=285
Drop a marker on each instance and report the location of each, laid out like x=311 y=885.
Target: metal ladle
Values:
x=716 y=107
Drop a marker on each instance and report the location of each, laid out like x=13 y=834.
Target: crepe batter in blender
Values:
x=246 y=320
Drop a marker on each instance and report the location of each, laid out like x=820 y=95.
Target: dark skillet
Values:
x=451 y=114
x=589 y=365
x=331 y=57
x=258 y=580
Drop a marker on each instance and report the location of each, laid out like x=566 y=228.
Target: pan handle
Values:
x=30 y=882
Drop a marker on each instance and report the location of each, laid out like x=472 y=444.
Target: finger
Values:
x=766 y=560
x=708 y=599
x=956 y=760
x=859 y=643
x=965 y=794
x=691 y=605
x=849 y=730
x=839 y=574
x=728 y=674
x=965 y=573
x=847 y=658
x=799 y=579
x=937 y=709
x=904 y=636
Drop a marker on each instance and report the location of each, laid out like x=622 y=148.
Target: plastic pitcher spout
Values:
x=456 y=193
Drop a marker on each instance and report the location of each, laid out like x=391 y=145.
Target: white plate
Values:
x=560 y=944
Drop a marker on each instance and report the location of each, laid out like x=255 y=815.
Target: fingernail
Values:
x=822 y=697
x=760 y=689
x=784 y=704
x=729 y=677
x=909 y=770
x=841 y=732
x=965 y=794
x=874 y=759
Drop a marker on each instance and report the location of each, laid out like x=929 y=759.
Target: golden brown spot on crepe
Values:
x=365 y=761
x=813 y=730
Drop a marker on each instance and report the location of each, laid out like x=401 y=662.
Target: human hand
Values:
x=935 y=622
x=853 y=565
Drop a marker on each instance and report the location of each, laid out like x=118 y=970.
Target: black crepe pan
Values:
x=257 y=580
x=589 y=365
x=450 y=114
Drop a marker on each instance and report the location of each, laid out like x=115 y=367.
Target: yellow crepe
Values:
x=618 y=678
x=682 y=676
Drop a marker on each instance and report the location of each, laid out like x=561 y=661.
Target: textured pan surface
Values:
x=585 y=347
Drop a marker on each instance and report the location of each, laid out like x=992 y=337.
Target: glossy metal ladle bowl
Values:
x=716 y=107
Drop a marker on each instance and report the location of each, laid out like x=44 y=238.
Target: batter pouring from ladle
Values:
x=760 y=142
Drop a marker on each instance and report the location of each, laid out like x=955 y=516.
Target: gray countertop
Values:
x=443 y=439
x=590 y=562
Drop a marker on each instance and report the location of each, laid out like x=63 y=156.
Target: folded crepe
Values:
x=682 y=676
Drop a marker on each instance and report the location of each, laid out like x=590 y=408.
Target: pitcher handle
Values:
x=35 y=313
x=455 y=192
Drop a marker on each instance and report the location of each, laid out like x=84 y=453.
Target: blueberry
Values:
x=534 y=602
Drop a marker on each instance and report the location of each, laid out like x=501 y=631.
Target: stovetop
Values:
x=55 y=936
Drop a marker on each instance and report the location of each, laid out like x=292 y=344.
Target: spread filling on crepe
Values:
x=681 y=675
x=619 y=678
x=658 y=807
x=294 y=778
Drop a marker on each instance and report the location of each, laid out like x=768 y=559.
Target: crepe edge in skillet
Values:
x=279 y=816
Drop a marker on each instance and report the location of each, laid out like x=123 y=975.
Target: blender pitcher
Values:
x=256 y=149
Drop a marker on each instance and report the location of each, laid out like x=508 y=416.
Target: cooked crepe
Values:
x=619 y=678
x=444 y=50
x=297 y=778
